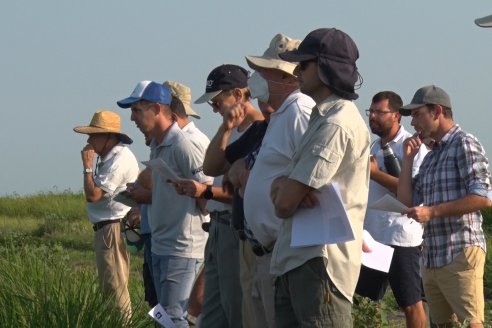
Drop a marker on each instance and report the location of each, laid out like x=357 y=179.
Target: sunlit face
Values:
x=381 y=118
x=222 y=101
x=144 y=116
x=423 y=121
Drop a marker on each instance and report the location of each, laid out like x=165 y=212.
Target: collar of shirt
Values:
x=116 y=149
x=448 y=137
x=329 y=103
x=290 y=99
x=169 y=138
x=188 y=127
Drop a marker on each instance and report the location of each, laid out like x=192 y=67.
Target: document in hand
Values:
x=380 y=256
x=324 y=224
x=158 y=165
x=388 y=204
x=161 y=317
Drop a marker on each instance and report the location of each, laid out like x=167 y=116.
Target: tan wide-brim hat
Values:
x=182 y=93
x=270 y=58
x=104 y=121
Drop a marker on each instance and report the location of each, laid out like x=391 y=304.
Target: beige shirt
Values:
x=335 y=148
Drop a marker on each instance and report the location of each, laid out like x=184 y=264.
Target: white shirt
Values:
x=113 y=172
x=282 y=136
x=387 y=227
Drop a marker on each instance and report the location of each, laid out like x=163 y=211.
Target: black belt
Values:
x=99 y=225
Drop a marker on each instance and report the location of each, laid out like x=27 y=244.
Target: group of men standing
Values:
x=246 y=185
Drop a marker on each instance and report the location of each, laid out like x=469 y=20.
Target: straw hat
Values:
x=104 y=121
x=183 y=94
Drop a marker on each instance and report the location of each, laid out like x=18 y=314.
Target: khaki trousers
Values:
x=112 y=260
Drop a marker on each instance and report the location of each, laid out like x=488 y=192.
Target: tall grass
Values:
x=47 y=267
x=39 y=289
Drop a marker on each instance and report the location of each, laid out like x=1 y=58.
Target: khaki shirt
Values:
x=335 y=148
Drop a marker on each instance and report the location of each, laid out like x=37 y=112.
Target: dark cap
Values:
x=428 y=95
x=336 y=54
x=223 y=78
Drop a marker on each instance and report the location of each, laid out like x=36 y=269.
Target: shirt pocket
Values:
x=325 y=159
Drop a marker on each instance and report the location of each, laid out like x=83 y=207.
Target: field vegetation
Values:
x=48 y=276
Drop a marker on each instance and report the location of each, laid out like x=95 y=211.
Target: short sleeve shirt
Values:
x=283 y=134
x=392 y=228
x=112 y=173
x=175 y=220
x=334 y=148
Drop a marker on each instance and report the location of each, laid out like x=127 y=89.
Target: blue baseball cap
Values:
x=149 y=91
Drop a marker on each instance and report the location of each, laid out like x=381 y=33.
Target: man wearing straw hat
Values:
x=116 y=167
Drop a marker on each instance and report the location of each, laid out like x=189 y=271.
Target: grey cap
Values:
x=484 y=21
x=428 y=95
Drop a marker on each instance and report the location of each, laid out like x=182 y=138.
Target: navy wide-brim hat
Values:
x=336 y=54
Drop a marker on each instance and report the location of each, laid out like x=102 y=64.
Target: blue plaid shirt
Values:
x=456 y=167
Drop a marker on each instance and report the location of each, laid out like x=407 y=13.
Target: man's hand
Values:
x=374 y=165
x=188 y=187
x=310 y=200
x=411 y=146
x=138 y=193
x=87 y=154
x=234 y=116
x=420 y=214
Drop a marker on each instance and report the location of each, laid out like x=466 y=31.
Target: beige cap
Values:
x=183 y=94
x=270 y=59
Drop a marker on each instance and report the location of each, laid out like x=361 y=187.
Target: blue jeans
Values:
x=173 y=280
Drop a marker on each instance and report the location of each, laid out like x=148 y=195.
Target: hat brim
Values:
x=484 y=21
x=127 y=102
x=190 y=112
x=296 y=56
x=92 y=130
x=256 y=62
x=207 y=96
x=407 y=109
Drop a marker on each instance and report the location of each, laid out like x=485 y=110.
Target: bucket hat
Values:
x=270 y=58
x=182 y=94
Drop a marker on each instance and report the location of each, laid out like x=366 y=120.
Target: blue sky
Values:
x=63 y=60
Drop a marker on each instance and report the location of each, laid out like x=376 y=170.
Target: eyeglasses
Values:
x=304 y=64
x=377 y=112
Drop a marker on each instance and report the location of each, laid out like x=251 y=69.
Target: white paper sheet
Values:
x=324 y=224
x=123 y=198
x=161 y=317
x=380 y=256
x=388 y=203
x=160 y=166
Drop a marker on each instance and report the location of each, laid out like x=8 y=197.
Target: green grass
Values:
x=48 y=276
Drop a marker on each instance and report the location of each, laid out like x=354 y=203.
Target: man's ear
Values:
x=438 y=111
x=238 y=94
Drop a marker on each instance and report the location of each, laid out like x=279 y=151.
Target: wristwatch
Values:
x=87 y=170
x=208 y=194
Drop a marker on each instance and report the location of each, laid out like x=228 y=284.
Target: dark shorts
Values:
x=403 y=277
